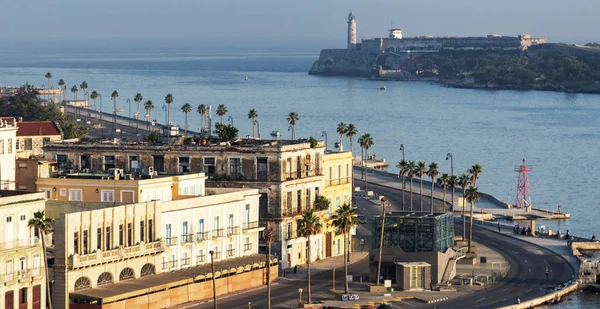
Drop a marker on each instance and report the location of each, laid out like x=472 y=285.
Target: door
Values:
x=36 y=303
x=328 y=244
x=9 y=300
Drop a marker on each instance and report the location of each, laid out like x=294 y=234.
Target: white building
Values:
x=8 y=151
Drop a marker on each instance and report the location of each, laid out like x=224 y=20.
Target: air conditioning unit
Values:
x=115 y=173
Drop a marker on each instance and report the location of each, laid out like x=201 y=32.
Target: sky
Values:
x=572 y=21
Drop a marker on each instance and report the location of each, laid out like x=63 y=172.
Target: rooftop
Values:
x=10 y=197
x=33 y=128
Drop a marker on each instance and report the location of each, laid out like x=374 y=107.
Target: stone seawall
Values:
x=343 y=62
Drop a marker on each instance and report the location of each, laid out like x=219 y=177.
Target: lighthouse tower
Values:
x=351 y=31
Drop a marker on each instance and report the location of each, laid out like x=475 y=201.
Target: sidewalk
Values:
x=322 y=266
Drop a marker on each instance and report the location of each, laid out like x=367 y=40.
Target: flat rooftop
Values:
x=10 y=197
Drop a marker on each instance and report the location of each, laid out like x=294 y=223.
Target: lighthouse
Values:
x=351 y=31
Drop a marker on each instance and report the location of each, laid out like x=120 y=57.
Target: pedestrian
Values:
x=499 y=227
x=518 y=300
x=593 y=237
x=567 y=235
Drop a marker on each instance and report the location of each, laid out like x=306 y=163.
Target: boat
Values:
x=382 y=87
x=275 y=134
x=246 y=78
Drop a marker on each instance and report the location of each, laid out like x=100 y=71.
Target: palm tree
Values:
x=84 y=87
x=443 y=183
x=42 y=226
x=114 y=96
x=464 y=181
x=452 y=183
x=61 y=84
x=472 y=196
x=94 y=96
x=342 y=128
x=252 y=114
x=221 y=111
x=292 y=119
x=169 y=99
x=421 y=169
x=344 y=220
x=186 y=109
x=475 y=172
x=202 y=110
x=366 y=142
x=411 y=170
x=403 y=166
x=269 y=236
x=350 y=133
x=149 y=106
x=49 y=77
x=138 y=99
x=432 y=172
x=308 y=225
x=74 y=91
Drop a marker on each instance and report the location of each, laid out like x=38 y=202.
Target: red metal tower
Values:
x=523 y=198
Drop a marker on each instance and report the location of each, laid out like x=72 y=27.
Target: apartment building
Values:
x=8 y=141
x=22 y=273
x=32 y=135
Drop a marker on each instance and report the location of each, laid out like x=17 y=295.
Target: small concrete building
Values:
x=411 y=276
x=32 y=135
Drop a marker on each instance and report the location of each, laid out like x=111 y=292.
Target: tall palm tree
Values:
x=186 y=109
x=464 y=181
x=344 y=220
x=472 y=196
x=169 y=99
x=432 y=172
x=403 y=166
x=94 y=96
x=366 y=142
x=292 y=119
x=74 y=91
x=114 y=95
x=350 y=133
x=138 y=99
x=202 y=110
x=475 y=172
x=149 y=106
x=443 y=183
x=49 y=77
x=252 y=114
x=421 y=169
x=221 y=111
x=84 y=87
x=342 y=128
x=61 y=84
x=452 y=179
x=269 y=236
x=308 y=225
x=411 y=170
x=42 y=226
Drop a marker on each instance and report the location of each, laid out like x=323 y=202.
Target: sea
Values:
x=557 y=134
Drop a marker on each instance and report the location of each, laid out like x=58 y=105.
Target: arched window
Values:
x=83 y=283
x=105 y=278
x=126 y=274
x=147 y=270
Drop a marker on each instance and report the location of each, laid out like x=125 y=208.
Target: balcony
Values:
x=250 y=225
x=262 y=176
x=290 y=235
x=20 y=244
x=186 y=261
x=201 y=258
x=217 y=255
x=247 y=247
x=202 y=236
x=107 y=256
x=230 y=252
x=171 y=241
x=173 y=263
x=187 y=238
x=233 y=230
x=218 y=233
x=21 y=275
x=337 y=181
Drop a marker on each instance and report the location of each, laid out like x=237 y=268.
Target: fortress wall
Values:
x=435 y=44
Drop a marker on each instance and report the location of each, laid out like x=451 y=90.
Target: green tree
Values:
x=74 y=91
x=403 y=166
x=84 y=87
x=411 y=170
x=226 y=131
x=322 y=203
x=269 y=237
x=94 y=96
x=350 y=133
x=472 y=196
x=464 y=181
x=344 y=220
x=42 y=226
x=475 y=172
x=341 y=129
x=62 y=85
x=138 y=99
x=203 y=111
x=221 y=111
x=48 y=76
x=114 y=95
x=153 y=138
x=308 y=225
x=292 y=119
x=443 y=183
x=420 y=171
x=366 y=142
x=186 y=109
x=169 y=99
x=252 y=115
x=148 y=106
x=432 y=172
x=451 y=181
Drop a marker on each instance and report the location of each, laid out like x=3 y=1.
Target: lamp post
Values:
x=214 y=284
x=129 y=102
x=402 y=149
x=451 y=157
x=101 y=112
x=300 y=291
x=324 y=134
x=257 y=127
x=383 y=200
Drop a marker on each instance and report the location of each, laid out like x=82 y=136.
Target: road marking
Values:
x=526 y=261
x=480 y=299
x=504 y=289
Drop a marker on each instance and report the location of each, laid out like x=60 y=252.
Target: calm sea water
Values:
x=558 y=134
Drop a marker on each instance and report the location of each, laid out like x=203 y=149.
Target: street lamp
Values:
x=449 y=155
x=324 y=134
x=230 y=119
x=402 y=149
x=383 y=200
x=257 y=127
x=214 y=284
x=129 y=102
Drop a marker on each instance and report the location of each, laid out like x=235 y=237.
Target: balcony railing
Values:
x=230 y=252
x=187 y=238
x=20 y=244
x=217 y=255
x=100 y=257
x=173 y=263
x=233 y=230
x=250 y=225
x=337 y=181
x=201 y=258
x=165 y=265
x=171 y=241
x=218 y=233
x=185 y=261
x=247 y=247
x=290 y=235
x=202 y=236
x=262 y=176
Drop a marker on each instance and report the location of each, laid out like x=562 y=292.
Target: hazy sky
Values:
x=557 y=20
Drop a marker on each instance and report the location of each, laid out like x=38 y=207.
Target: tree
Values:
x=350 y=133
x=342 y=128
x=94 y=96
x=186 y=109
x=74 y=91
x=322 y=203
x=366 y=142
x=153 y=138
x=114 y=95
x=475 y=172
x=452 y=183
x=49 y=77
x=464 y=181
x=226 y=131
x=138 y=99
x=169 y=99
x=221 y=111
x=308 y=225
x=411 y=169
x=42 y=226
x=344 y=220
x=61 y=84
x=149 y=106
x=292 y=119
x=472 y=196
x=84 y=87
x=443 y=183
x=432 y=172
x=403 y=166
x=420 y=171
x=269 y=237
x=252 y=114
x=202 y=110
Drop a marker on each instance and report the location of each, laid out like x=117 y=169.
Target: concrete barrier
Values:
x=546 y=298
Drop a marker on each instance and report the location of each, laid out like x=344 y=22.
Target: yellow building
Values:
x=337 y=170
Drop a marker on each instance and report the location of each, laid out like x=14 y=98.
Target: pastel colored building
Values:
x=8 y=141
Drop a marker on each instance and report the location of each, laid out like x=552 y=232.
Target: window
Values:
x=142 y=235
x=22 y=217
x=235 y=168
x=85 y=242
x=308 y=199
x=289 y=231
x=62 y=161
x=150 y=231
x=109 y=162
x=99 y=238
x=75 y=195
x=23 y=297
x=299 y=201
x=82 y=283
x=129 y=234
x=76 y=242
x=36 y=264
x=168 y=234
x=121 y=235
x=10 y=145
x=9 y=219
x=1 y=146
x=184 y=233
x=159 y=163
x=339 y=174
x=107 y=238
x=134 y=163
x=28 y=144
x=230 y=250
x=108 y=196
x=63 y=192
x=261 y=169
x=247 y=244
x=209 y=167
x=184 y=164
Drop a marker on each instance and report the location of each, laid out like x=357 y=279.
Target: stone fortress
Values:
x=358 y=58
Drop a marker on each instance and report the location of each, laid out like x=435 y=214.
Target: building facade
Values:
x=8 y=141
x=32 y=135
x=22 y=273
